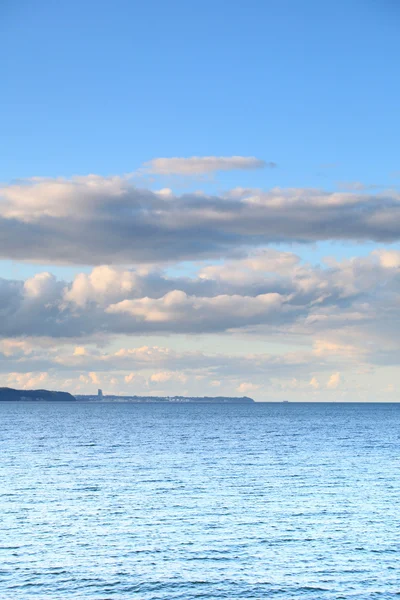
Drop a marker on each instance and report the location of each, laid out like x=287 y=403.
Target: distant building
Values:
x=100 y=394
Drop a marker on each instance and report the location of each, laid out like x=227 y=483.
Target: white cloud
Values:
x=176 y=308
x=389 y=259
x=103 y=284
x=200 y=165
x=79 y=351
x=334 y=381
x=39 y=286
x=129 y=378
x=165 y=192
x=251 y=270
x=26 y=381
x=329 y=348
x=94 y=378
x=16 y=348
x=164 y=376
x=247 y=387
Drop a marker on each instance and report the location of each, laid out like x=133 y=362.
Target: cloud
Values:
x=129 y=378
x=200 y=165
x=338 y=318
x=219 y=313
x=13 y=348
x=163 y=362
x=164 y=376
x=389 y=259
x=334 y=381
x=339 y=321
x=102 y=285
x=357 y=186
x=94 y=378
x=144 y=369
x=155 y=369
x=247 y=387
x=26 y=381
x=267 y=292
x=79 y=351
x=97 y=220
x=330 y=348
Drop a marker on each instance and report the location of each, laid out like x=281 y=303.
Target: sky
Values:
x=201 y=198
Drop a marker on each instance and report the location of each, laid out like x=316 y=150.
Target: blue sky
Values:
x=100 y=87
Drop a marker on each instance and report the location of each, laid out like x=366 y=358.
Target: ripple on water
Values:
x=180 y=502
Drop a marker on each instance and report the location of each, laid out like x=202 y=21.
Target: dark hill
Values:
x=33 y=395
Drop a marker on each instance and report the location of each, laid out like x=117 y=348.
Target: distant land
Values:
x=167 y=399
x=9 y=394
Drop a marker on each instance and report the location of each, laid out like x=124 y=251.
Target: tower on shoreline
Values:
x=100 y=394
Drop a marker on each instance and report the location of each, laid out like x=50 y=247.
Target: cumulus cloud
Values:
x=94 y=378
x=269 y=290
x=26 y=381
x=389 y=259
x=164 y=376
x=339 y=317
x=247 y=387
x=204 y=314
x=97 y=220
x=101 y=285
x=200 y=165
x=334 y=381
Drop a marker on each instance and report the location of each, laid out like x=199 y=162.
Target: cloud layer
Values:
x=329 y=324
x=268 y=291
x=162 y=370
x=341 y=318
x=95 y=220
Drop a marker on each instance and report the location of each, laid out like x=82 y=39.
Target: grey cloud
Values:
x=94 y=220
x=268 y=290
x=144 y=359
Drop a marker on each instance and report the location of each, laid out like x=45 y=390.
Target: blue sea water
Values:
x=163 y=502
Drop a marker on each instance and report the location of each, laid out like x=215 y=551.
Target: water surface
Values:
x=163 y=502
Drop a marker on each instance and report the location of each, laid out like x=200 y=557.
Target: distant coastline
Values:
x=167 y=399
x=10 y=394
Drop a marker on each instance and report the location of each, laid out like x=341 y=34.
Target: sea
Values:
x=184 y=501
